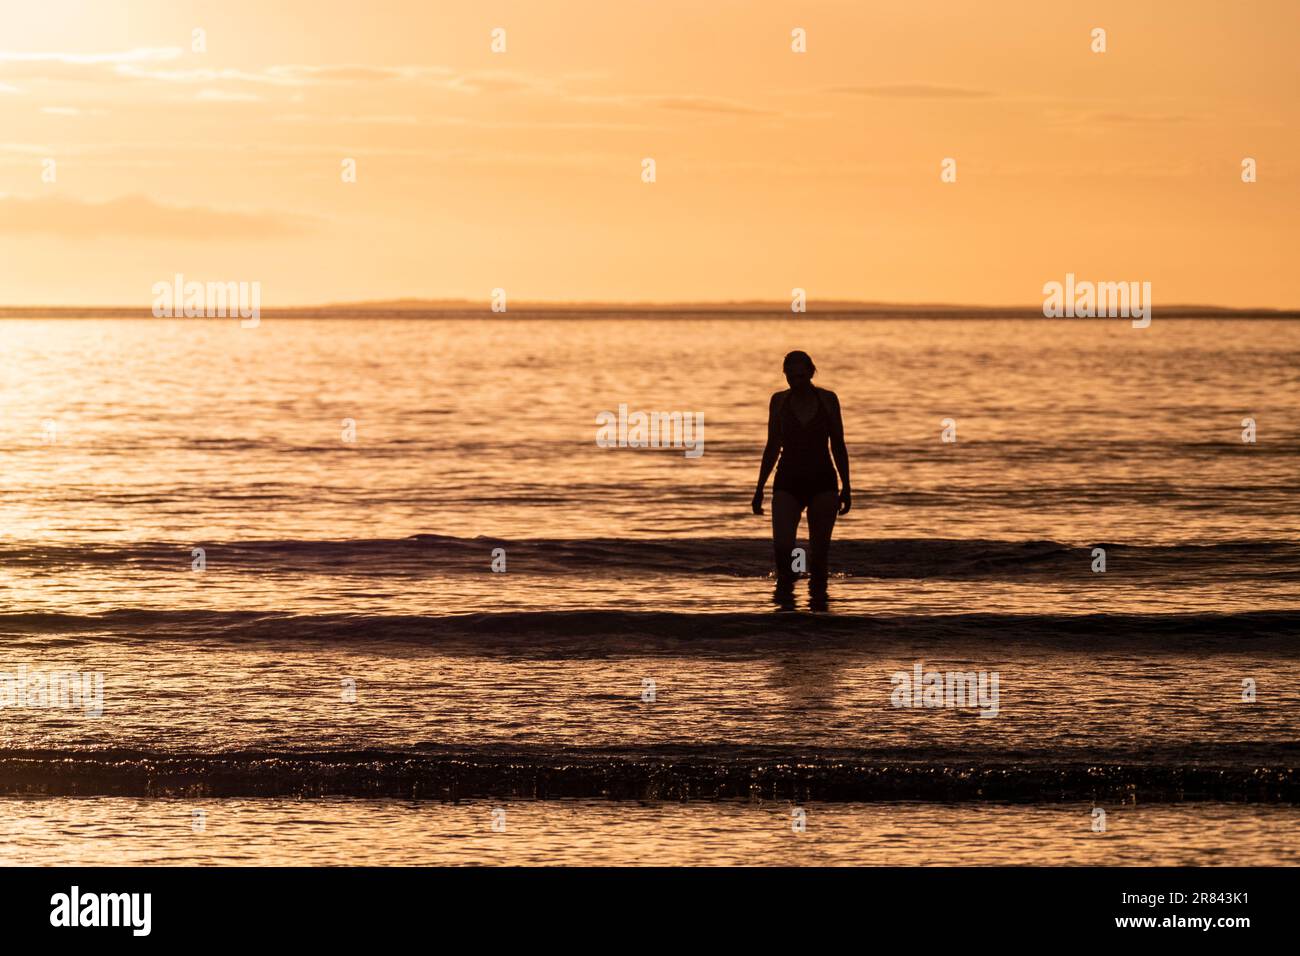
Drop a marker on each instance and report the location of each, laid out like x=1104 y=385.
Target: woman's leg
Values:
x=785 y=524
x=821 y=522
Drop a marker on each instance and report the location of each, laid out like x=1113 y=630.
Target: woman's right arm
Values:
x=771 y=451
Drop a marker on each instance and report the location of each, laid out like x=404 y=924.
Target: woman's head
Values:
x=799 y=369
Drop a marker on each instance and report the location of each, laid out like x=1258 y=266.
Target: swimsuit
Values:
x=805 y=469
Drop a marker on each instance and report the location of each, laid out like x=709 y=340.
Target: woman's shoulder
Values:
x=827 y=395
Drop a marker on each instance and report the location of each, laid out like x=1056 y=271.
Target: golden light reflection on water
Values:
x=354 y=832
x=1068 y=431
x=172 y=435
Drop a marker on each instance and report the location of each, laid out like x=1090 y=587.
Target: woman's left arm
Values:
x=840 y=452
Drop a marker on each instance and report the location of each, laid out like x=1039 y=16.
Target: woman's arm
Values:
x=771 y=451
x=840 y=452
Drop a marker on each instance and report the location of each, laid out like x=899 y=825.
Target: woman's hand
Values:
x=757 y=503
x=846 y=500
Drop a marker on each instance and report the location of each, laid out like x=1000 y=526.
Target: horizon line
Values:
x=417 y=305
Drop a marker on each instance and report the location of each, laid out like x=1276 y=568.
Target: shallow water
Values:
x=347 y=603
x=189 y=431
x=354 y=832
x=208 y=696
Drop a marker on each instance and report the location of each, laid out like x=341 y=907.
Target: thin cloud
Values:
x=1116 y=118
x=386 y=119
x=138 y=217
x=138 y=55
x=707 y=104
x=683 y=103
x=71 y=111
x=1142 y=119
x=157 y=64
x=499 y=82
x=913 y=91
x=213 y=95
x=132 y=72
x=27 y=149
x=352 y=73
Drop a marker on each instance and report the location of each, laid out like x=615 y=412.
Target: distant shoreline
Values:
x=417 y=309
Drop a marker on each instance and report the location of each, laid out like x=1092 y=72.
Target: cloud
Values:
x=1141 y=119
x=131 y=72
x=303 y=74
x=498 y=82
x=89 y=67
x=213 y=95
x=1101 y=117
x=157 y=64
x=913 y=91
x=684 y=103
x=138 y=55
x=378 y=119
x=27 y=149
x=138 y=217
x=706 y=104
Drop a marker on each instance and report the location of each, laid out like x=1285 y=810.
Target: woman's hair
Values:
x=797 y=356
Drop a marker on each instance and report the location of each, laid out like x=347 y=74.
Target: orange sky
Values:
x=521 y=170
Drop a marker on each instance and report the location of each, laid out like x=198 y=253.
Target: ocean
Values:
x=276 y=548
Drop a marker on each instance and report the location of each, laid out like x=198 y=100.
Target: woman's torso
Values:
x=805 y=445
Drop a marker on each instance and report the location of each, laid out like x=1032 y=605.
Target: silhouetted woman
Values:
x=805 y=429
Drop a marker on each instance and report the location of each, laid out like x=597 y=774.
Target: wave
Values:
x=424 y=554
x=605 y=632
x=670 y=772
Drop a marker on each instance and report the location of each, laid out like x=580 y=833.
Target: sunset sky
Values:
x=522 y=169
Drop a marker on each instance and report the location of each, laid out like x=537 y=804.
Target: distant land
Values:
x=467 y=309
